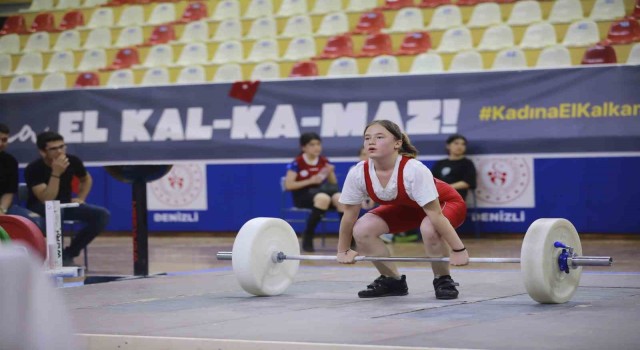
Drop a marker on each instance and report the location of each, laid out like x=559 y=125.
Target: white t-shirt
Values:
x=418 y=182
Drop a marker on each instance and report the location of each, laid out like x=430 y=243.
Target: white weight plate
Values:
x=252 y=254
x=543 y=279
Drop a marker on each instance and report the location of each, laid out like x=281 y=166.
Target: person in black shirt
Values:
x=456 y=170
x=9 y=182
x=50 y=178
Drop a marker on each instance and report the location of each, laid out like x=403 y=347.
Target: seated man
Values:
x=50 y=177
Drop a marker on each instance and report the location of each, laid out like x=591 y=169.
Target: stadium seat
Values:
x=466 y=61
x=6 y=64
x=14 y=25
x=508 y=59
x=606 y=10
x=433 y=3
x=21 y=83
x=156 y=76
x=496 y=38
x=193 y=53
x=370 y=22
x=161 y=34
x=343 y=67
x=334 y=24
x=338 y=46
x=264 y=27
x=71 y=20
x=406 y=20
x=297 y=26
x=634 y=55
x=525 y=12
x=87 y=79
x=125 y=58
x=40 y=5
x=624 y=31
x=266 y=71
x=375 y=45
x=62 y=61
x=484 y=15
x=636 y=10
x=383 y=65
x=290 y=8
x=396 y=4
x=228 y=51
x=191 y=75
x=361 y=5
x=54 y=81
x=101 y=17
x=556 y=56
x=159 y=56
x=37 y=42
x=30 y=62
x=539 y=35
x=455 y=39
x=566 y=11
x=130 y=36
x=68 y=40
x=94 y=59
x=228 y=73
x=10 y=43
x=415 y=43
x=98 y=38
x=226 y=9
x=264 y=50
x=582 y=33
x=194 y=11
x=600 y=53
x=259 y=8
x=94 y=3
x=228 y=29
x=132 y=16
x=44 y=22
x=427 y=63
x=468 y=2
x=326 y=6
x=445 y=17
x=121 y=78
x=300 y=48
x=304 y=69
x=68 y=4
x=162 y=13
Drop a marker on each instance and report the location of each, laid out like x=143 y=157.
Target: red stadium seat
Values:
x=87 y=79
x=624 y=31
x=396 y=4
x=22 y=229
x=370 y=22
x=14 y=25
x=469 y=2
x=161 y=34
x=338 y=46
x=193 y=12
x=376 y=44
x=636 y=11
x=502 y=1
x=304 y=69
x=71 y=19
x=600 y=53
x=415 y=43
x=433 y=3
x=125 y=58
x=44 y=22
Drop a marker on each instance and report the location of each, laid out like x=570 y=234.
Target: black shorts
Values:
x=303 y=198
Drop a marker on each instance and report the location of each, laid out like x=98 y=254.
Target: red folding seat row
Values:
x=376 y=44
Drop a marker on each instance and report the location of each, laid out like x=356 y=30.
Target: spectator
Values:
x=456 y=170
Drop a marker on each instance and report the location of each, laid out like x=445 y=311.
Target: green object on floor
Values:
x=406 y=237
x=4 y=236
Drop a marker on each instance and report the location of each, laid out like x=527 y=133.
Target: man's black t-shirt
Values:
x=8 y=174
x=451 y=171
x=37 y=172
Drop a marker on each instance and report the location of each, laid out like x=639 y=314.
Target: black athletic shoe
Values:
x=385 y=287
x=445 y=287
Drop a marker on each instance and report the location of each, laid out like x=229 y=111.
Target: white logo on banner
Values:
x=183 y=188
x=505 y=182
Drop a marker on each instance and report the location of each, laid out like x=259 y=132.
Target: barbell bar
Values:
x=551 y=260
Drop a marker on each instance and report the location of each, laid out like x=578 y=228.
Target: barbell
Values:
x=266 y=256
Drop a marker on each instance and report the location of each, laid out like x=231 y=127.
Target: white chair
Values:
x=197 y=31
x=226 y=9
x=228 y=73
x=37 y=42
x=427 y=63
x=322 y=7
x=259 y=8
x=266 y=71
x=264 y=50
x=193 y=53
x=634 y=54
x=10 y=43
x=406 y=20
x=566 y=11
x=132 y=16
x=554 y=57
x=456 y=39
x=162 y=13
x=445 y=17
x=93 y=59
x=343 y=67
x=67 y=40
x=98 y=38
x=193 y=74
x=484 y=15
x=68 y=4
x=361 y=5
x=155 y=76
x=582 y=33
x=121 y=78
x=297 y=26
x=467 y=61
x=30 y=62
x=333 y=24
x=264 y=27
x=510 y=59
x=159 y=56
x=21 y=83
x=93 y=3
x=39 y=6
x=228 y=51
x=54 y=81
x=292 y=7
x=300 y=48
x=496 y=38
x=539 y=35
x=130 y=36
x=525 y=12
x=228 y=29
x=605 y=10
x=101 y=17
x=6 y=64
x=62 y=61
x=383 y=65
